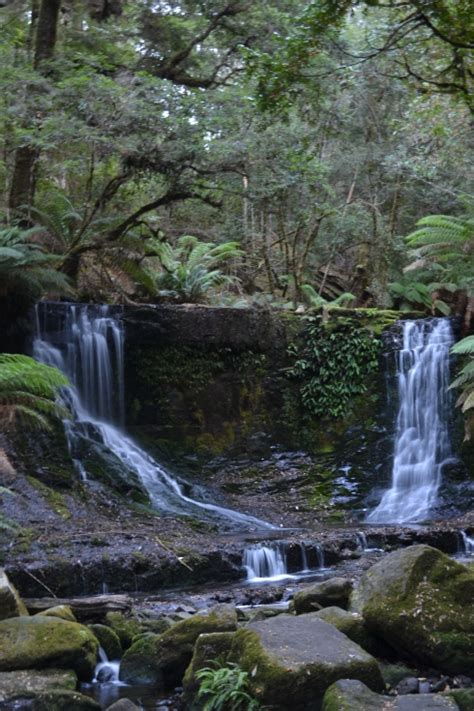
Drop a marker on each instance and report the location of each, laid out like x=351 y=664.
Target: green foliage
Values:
x=443 y=248
x=25 y=268
x=28 y=392
x=332 y=367
x=192 y=269
x=317 y=301
x=409 y=295
x=465 y=381
x=225 y=687
x=7 y=524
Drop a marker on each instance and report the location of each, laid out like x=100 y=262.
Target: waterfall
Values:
x=269 y=564
x=87 y=344
x=467 y=544
x=422 y=444
x=263 y=563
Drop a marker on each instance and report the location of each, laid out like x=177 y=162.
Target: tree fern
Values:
x=28 y=392
x=317 y=301
x=192 y=269
x=25 y=268
x=445 y=245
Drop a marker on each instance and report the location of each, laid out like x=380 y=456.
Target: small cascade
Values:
x=87 y=344
x=269 y=564
x=467 y=544
x=106 y=672
x=304 y=559
x=361 y=540
x=264 y=563
x=422 y=444
x=363 y=544
x=319 y=555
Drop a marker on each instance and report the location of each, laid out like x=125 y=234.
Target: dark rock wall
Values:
x=204 y=380
x=212 y=381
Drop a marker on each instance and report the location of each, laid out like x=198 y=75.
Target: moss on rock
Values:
x=421 y=603
x=41 y=642
x=126 y=628
x=53 y=700
x=290 y=660
x=64 y=612
x=351 y=695
x=335 y=591
x=161 y=660
x=108 y=640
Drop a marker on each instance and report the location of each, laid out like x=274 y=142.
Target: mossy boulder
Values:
x=52 y=700
x=48 y=690
x=352 y=695
x=108 y=640
x=124 y=705
x=332 y=592
x=421 y=603
x=35 y=681
x=11 y=604
x=161 y=660
x=126 y=628
x=64 y=612
x=353 y=626
x=290 y=660
x=43 y=642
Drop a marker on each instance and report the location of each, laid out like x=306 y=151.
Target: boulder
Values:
x=290 y=660
x=421 y=603
x=62 y=611
x=43 y=642
x=123 y=705
x=352 y=695
x=108 y=640
x=10 y=603
x=34 y=681
x=126 y=628
x=48 y=690
x=353 y=626
x=332 y=592
x=161 y=660
x=52 y=700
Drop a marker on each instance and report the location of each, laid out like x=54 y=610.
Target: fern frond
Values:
x=464 y=347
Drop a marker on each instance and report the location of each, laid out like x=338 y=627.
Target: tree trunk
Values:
x=23 y=180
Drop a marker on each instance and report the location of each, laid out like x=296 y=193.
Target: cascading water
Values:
x=467 y=544
x=269 y=564
x=89 y=348
x=264 y=563
x=422 y=444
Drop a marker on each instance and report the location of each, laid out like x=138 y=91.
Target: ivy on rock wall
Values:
x=331 y=365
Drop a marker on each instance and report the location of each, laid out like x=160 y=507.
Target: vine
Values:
x=331 y=367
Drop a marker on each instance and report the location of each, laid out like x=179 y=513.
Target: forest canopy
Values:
x=311 y=137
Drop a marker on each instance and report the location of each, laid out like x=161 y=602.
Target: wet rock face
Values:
x=422 y=604
x=211 y=381
x=46 y=642
x=290 y=660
